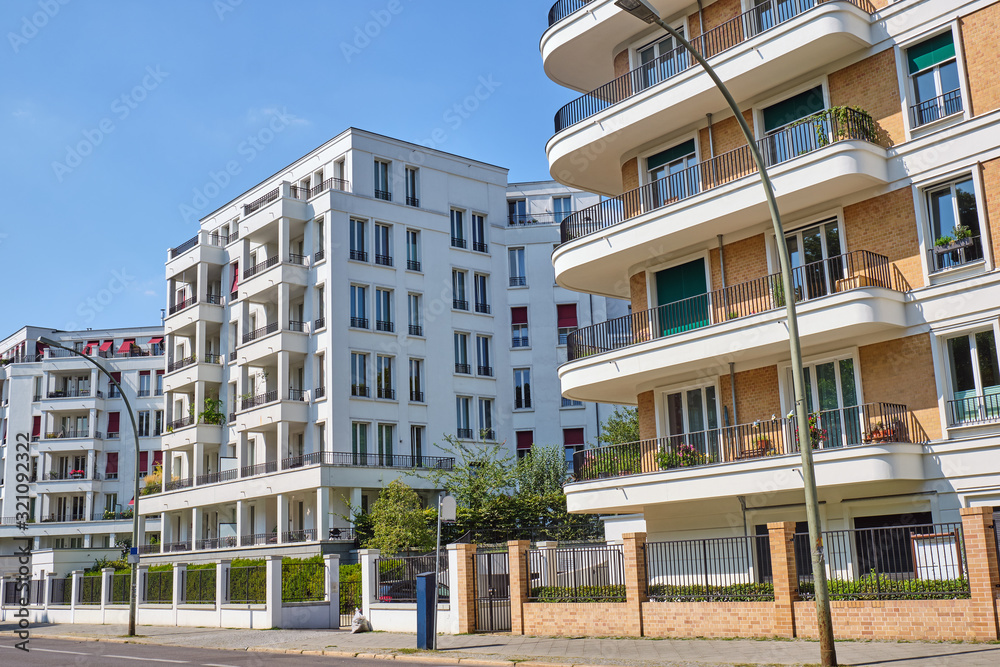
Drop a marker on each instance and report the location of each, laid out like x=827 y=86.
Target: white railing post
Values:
x=272 y=594
x=332 y=587
x=177 y=588
x=221 y=577
x=368 y=593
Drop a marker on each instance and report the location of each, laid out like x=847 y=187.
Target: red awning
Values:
x=156 y=341
x=525 y=439
x=132 y=502
x=236 y=276
x=36 y=425
x=519 y=315
x=40 y=348
x=572 y=436
x=143 y=462
x=106 y=345
x=126 y=346
x=112 y=467
x=91 y=344
x=141 y=373
x=567 y=315
x=114 y=419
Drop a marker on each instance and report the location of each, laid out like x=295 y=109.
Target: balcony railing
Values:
x=75 y=393
x=806 y=136
x=258 y=539
x=259 y=400
x=761 y=18
x=415 y=330
x=358 y=255
x=65 y=516
x=412 y=265
x=383 y=260
x=518 y=281
x=216 y=477
x=330 y=184
x=260 y=267
x=177 y=307
x=937 y=108
x=319 y=323
x=459 y=304
x=259 y=469
x=383 y=325
x=319 y=393
x=829 y=429
x=296 y=259
x=464 y=369
x=260 y=333
x=308 y=535
x=384 y=392
x=384 y=195
x=180 y=423
x=170 y=547
x=519 y=341
x=261 y=202
x=479 y=246
x=56 y=476
x=483 y=308
x=417 y=396
x=217 y=543
x=296 y=395
x=175 y=484
x=183 y=248
x=974 y=410
x=546 y=218
x=319 y=256
x=363 y=460
x=145 y=549
x=359 y=322
x=360 y=390
x=413 y=201
x=957 y=253
x=214 y=299
x=486 y=371
x=838 y=274
x=564 y=8
x=464 y=433
x=297 y=326
x=341 y=535
x=71 y=433
x=457 y=242
x=181 y=363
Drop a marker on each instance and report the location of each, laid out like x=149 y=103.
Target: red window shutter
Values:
x=143 y=461
x=141 y=373
x=114 y=419
x=157 y=458
x=159 y=372
x=525 y=439
x=36 y=426
x=112 y=467
x=567 y=315
x=91 y=346
x=572 y=436
x=236 y=276
x=519 y=315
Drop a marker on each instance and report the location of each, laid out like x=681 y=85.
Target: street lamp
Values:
x=641 y=9
x=134 y=552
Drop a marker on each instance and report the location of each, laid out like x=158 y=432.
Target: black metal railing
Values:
x=486 y=371
x=199 y=586
x=564 y=8
x=250 y=272
x=297 y=326
x=260 y=332
x=293 y=258
x=319 y=393
x=57 y=476
x=159 y=587
x=330 y=184
x=71 y=433
x=855 y=270
x=805 y=136
x=479 y=246
x=937 y=108
x=149 y=549
x=181 y=423
x=384 y=325
x=415 y=330
x=257 y=539
x=483 y=308
x=384 y=195
x=458 y=242
x=352 y=460
x=973 y=410
x=177 y=307
x=525 y=219
x=215 y=299
x=319 y=323
x=216 y=477
x=233 y=236
x=308 y=535
x=459 y=304
x=412 y=265
x=74 y=393
x=412 y=201
x=173 y=547
x=464 y=369
x=319 y=256
x=724 y=569
x=302 y=582
x=383 y=260
x=248 y=584
x=358 y=255
x=360 y=390
x=732 y=33
x=957 y=253
x=417 y=396
x=181 y=363
x=899 y=562
x=385 y=392
x=829 y=429
x=464 y=433
x=359 y=322
x=232 y=356
x=518 y=281
x=180 y=483
x=259 y=400
x=184 y=247
x=591 y=574
x=259 y=469
x=341 y=535
x=261 y=201
x=519 y=341
x=396 y=578
x=296 y=394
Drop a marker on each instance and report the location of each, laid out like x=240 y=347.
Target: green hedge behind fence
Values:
x=879 y=587
x=200 y=584
x=90 y=589
x=734 y=593
x=160 y=584
x=613 y=593
x=350 y=588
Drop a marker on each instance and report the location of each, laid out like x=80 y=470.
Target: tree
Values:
x=399 y=522
x=621 y=427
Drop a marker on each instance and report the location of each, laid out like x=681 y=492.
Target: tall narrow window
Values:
x=383 y=250
x=519 y=326
x=412 y=250
x=661 y=60
x=486 y=419
x=359 y=248
x=383 y=378
x=144 y=378
x=933 y=69
x=417 y=380
x=567 y=322
x=413 y=318
x=670 y=176
x=359 y=374
x=954 y=221
x=359 y=306
x=459 y=300
x=818 y=266
x=412 y=195
x=382 y=189
x=517 y=212
x=386 y=434
x=462 y=353
x=359 y=442
x=561 y=207
x=482 y=294
x=462 y=406
x=522 y=388
x=457 y=229
x=515 y=261
x=573 y=442
x=383 y=311
x=484 y=363
x=417 y=445
x=479 y=242
x=975 y=378
x=525 y=439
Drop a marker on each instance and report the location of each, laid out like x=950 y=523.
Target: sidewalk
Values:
x=504 y=650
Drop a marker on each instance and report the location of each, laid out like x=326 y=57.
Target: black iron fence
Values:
x=261 y=201
x=983 y=409
x=936 y=108
x=61 y=591
x=350 y=599
x=587 y=574
x=396 y=577
x=199 y=585
x=719 y=569
x=303 y=582
x=247 y=584
x=159 y=587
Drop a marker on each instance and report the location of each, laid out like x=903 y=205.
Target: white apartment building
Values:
x=326 y=329
x=68 y=451
x=879 y=123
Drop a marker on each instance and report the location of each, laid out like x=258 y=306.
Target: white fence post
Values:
x=141 y=584
x=221 y=578
x=273 y=593
x=74 y=593
x=332 y=587
x=50 y=578
x=368 y=593
x=177 y=588
x=106 y=574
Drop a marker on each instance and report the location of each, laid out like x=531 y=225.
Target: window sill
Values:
x=955 y=273
x=935 y=125
x=572 y=407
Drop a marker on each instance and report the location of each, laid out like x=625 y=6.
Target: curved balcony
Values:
x=758 y=51
x=840 y=298
x=825 y=156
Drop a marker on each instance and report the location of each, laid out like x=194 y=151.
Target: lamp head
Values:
x=641 y=9
x=47 y=341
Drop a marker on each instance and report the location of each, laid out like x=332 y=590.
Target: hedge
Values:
x=613 y=593
x=697 y=593
x=879 y=586
x=350 y=588
x=303 y=579
x=160 y=584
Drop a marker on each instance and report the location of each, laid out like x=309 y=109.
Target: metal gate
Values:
x=492 y=574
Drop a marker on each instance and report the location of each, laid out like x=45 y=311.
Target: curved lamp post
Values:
x=642 y=10
x=134 y=560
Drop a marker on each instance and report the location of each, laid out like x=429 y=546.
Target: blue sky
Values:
x=114 y=115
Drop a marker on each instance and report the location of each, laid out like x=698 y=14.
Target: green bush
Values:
x=248 y=581
x=350 y=588
x=614 y=593
x=876 y=586
x=200 y=583
x=90 y=589
x=160 y=584
x=67 y=592
x=697 y=593
x=302 y=579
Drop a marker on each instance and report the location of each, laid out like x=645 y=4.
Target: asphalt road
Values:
x=60 y=653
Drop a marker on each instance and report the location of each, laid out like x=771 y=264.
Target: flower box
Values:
x=954 y=245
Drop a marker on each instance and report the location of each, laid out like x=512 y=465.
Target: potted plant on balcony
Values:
x=212 y=414
x=76 y=474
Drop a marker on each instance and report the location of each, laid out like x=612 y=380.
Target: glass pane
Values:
x=960 y=357
x=925 y=86
x=967 y=214
x=942 y=213
x=848 y=386
x=826 y=384
x=986 y=350
x=812 y=245
x=696 y=416
x=949 y=77
x=675 y=414
x=712 y=408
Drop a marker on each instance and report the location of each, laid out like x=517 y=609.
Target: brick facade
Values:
x=757 y=394
x=647 y=415
x=715 y=15
x=981 y=51
x=746 y=259
x=991 y=190
x=726 y=136
x=466 y=587
x=887 y=225
x=873 y=85
x=621 y=63
x=901 y=371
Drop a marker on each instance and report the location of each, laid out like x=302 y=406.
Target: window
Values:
x=694 y=414
x=159 y=383
x=522 y=388
x=382 y=181
x=561 y=207
x=144 y=423
x=412 y=250
x=462 y=353
x=954 y=221
x=359 y=306
x=412 y=194
x=359 y=441
x=783 y=140
x=486 y=419
x=519 y=326
x=515 y=261
x=479 y=243
x=359 y=374
x=483 y=358
x=417 y=445
x=383 y=310
x=524 y=441
x=975 y=378
x=517 y=210
x=143 y=383
x=661 y=60
x=320 y=236
x=462 y=417
x=670 y=175
x=934 y=80
x=570 y=403
x=383 y=250
x=386 y=434
x=457 y=230
x=832 y=391
x=359 y=250
x=818 y=265
x=383 y=378
x=566 y=314
x=417 y=380
x=572 y=443
x=459 y=300
x=413 y=315
x=158 y=422
x=482 y=294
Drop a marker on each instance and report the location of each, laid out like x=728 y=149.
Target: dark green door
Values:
x=682 y=297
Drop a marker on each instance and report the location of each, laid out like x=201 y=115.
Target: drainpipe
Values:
x=597 y=406
x=732 y=390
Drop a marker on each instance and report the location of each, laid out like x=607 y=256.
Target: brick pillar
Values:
x=462 y=576
x=518 y=565
x=786 y=577
x=648 y=452
x=981 y=559
x=634 y=552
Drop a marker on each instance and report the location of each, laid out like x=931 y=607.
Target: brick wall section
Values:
x=911 y=620
x=707 y=619
x=630 y=175
x=746 y=259
x=568 y=619
x=873 y=85
x=981 y=560
x=887 y=225
x=981 y=45
x=517 y=551
x=647 y=415
x=757 y=394
x=637 y=291
x=991 y=188
x=785 y=576
x=621 y=63
x=466 y=588
x=634 y=552
x=901 y=371
x=715 y=15
x=727 y=135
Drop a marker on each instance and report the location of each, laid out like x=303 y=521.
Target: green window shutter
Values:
x=669 y=155
x=790 y=110
x=930 y=52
